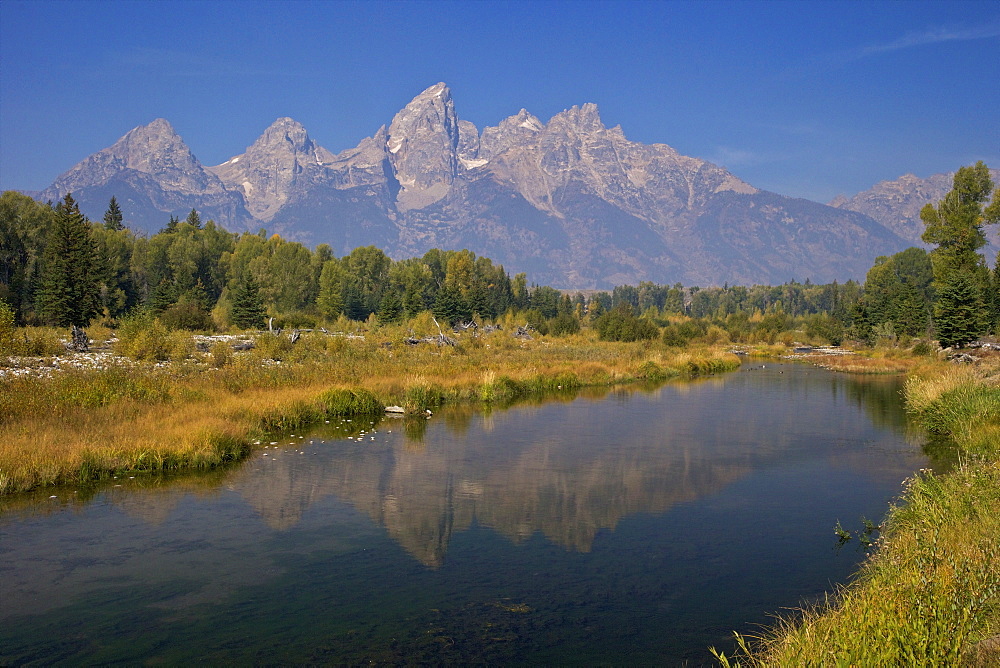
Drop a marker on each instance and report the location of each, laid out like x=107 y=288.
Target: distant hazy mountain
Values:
x=570 y=201
x=154 y=175
x=896 y=205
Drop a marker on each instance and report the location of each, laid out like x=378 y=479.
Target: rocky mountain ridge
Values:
x=570 y=201
x=897 y=204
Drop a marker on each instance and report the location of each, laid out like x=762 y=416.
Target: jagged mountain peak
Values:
x=152 y=149
x=526 y=120
x=153 y=174
x=584 y=118
x=517 y=129
x=284 y=130
x=422 y=143
x=896 y=204
x=147 y=147
x=274 y=166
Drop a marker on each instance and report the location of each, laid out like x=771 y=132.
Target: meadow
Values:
x=140 y=412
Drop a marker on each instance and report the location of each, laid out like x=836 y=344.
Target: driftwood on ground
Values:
x=522 y=333
x=79 y=340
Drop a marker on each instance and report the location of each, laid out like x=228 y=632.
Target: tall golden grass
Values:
x=83 y=425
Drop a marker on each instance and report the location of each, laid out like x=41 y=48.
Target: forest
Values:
x=57 y=268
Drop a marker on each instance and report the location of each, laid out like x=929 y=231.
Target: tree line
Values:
x=58 y=268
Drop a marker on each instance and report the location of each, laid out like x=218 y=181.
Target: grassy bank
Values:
x=88 y=424
x=930 y=593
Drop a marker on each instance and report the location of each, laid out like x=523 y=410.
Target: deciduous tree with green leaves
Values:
x=955 y=224
x=961 y=278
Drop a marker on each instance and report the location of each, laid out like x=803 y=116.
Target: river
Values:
x=622 y=527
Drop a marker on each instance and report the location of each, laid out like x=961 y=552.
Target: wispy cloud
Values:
x=911 y=40
x=936 y=35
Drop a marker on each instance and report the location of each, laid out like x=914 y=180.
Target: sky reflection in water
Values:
x=619 y=527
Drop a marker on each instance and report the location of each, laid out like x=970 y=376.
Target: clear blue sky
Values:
x=808 y=99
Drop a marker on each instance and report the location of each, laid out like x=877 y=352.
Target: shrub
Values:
x=825 y=327
x=296 y=320
x=141 y=336
x=9 y=344
x=180 y=346
x=620 y=325
x=42 y=341
x=222 y=354
x=187 y=314
x=563 y=324
x=681 y=334
x=272 y=346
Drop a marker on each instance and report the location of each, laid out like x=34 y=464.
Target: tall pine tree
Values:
x=193 y=219
x=113 y=218
x=71 y=270
x=248 y=307
x=960 y=315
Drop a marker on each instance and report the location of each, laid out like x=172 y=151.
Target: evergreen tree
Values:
x=248 y=307
x=861 y=322
x=193 y=219
x=71 y=270
x=354 y=305
x=961 y=278
x=330 y=300
x=959 y=314
x=24 y=227
x=113 y=219
x=391 y=308
x=910 y=313
x=413 y=300
x=163 y=296
x=450 y=307
x=171 y=226
x=996 y=296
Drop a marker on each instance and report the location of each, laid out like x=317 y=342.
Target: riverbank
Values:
x=930 y=592
x=201 y=411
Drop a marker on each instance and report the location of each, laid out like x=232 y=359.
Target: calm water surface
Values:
x=631 y=527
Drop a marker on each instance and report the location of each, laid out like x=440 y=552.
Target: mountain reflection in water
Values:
x=768 y=441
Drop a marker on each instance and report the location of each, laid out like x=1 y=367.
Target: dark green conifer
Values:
x=391 y=308
x=193 y=219
x=171 y=226
x=70 y=291
x=995 y=291
x=959 y=314
x=450 y=307
x=113 y=219
x=413 y=301
x=248 y=307
x=163 y=296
